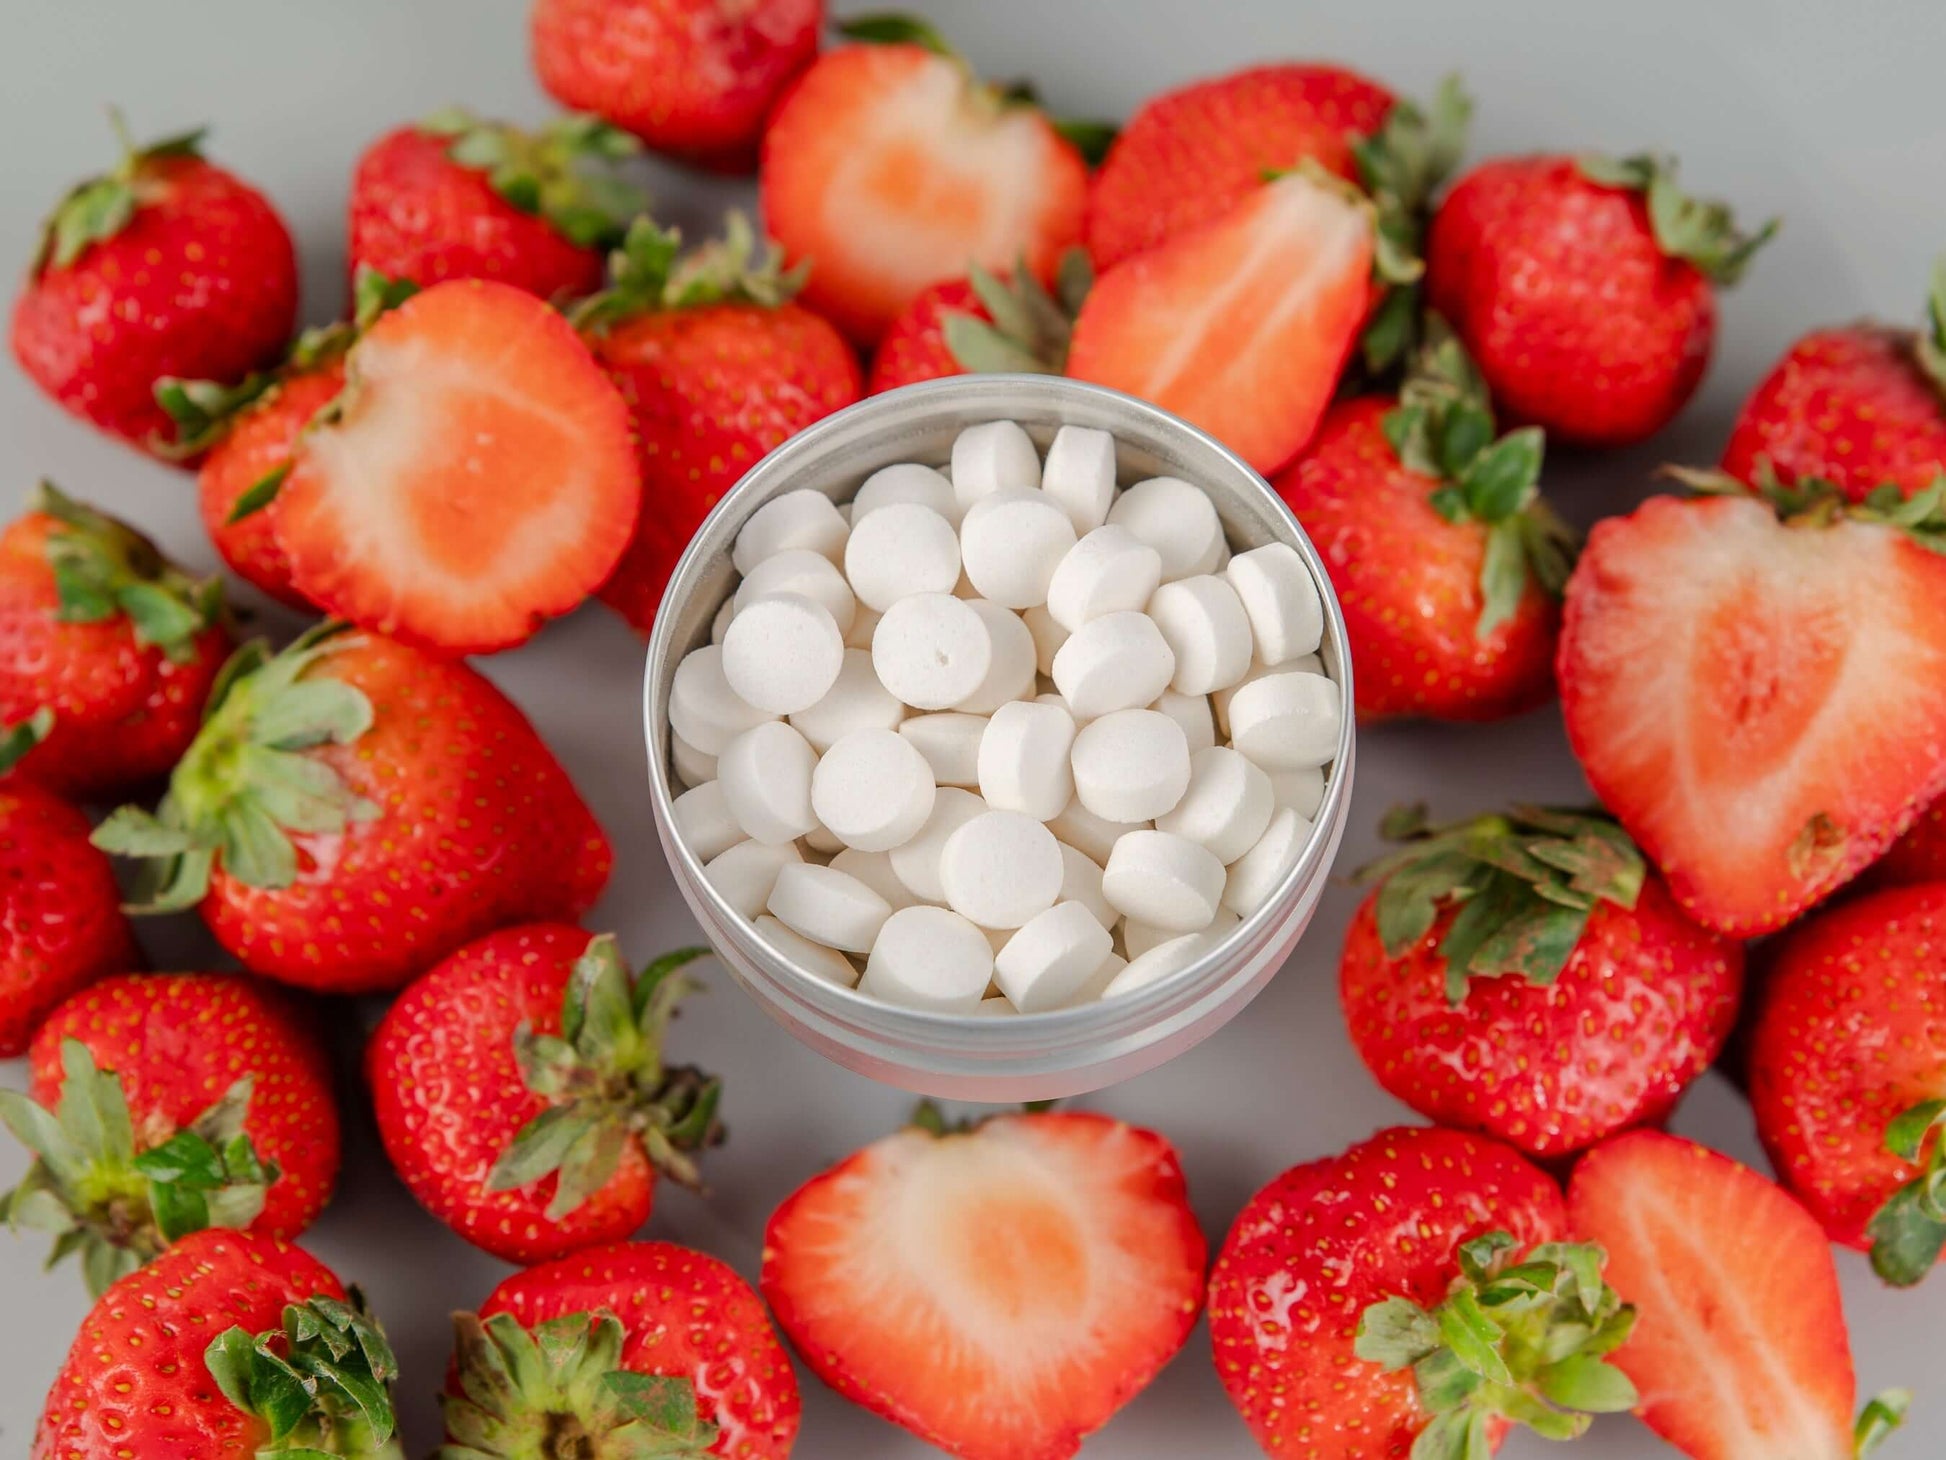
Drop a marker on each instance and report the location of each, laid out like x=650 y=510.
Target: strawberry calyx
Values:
x=247 y=784
x=104 y=569
x=560 y=1393
x=1882 y=1415
x=101 y=207
x=548 y=173
x=1443 y=427
x=320 y=1383
x=1909 y=1230
x=1813 y=503
x=1702 y=231
x=1524 y=882
x=650 y=272
x=1521 y=1339
x=115 y=1195
x=22 y=736
x=1030 y=326
x=606 y=1082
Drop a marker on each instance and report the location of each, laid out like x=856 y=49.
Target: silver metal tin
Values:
x=1027 y=1056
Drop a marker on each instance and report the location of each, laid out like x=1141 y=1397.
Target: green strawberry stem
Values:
x=1909 y=1231
x=1030 y=327
x=1881 y=1416
x=247 y=784
x=1524 y=883
x=564 y=173
x=22 y=736
x=1521 y=1340
x=320 y=1383
x=105 y=569
x=561 y=1393
x=650 y=272
x=98 y=209
x=117 y=1197
x=606 y=1082
x=1702 y=231
x=1813 y=502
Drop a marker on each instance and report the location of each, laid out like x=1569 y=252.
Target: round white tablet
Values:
x=720 y=623
x=1220 y=700
x=1012 y=542
x=765 y=774
x=907 y=481
x=1116 y=662
x=1227 y=806
x=864 y=624
x=1162 y=880
x=1254 y=876
x=874 y=869
x=1301 y=789
x=1111 y=570
x=802 y=519
x=899 y=550
x=1286 y=721
x=1138 y=938
x=1080 y=475
x=1000 y=869
x=744 y=875
x=1177 y=520
x=800 y=952
x=932 y=650
x=929 y=958
x=873 y=790
x=1048 y=636
x=783 y=653
x=1044 y=964
x=1204 y=626
x=800 y=571
x=855 y=701
x=950 y=742
x=703 y=709
x=1281 y=599
x=1010 y=670
x=704 y=822
x=995 y=457
x=1157 y=964
x=691 y=766
x=916 y=864
x=829 y=907
x=1192 y=712
x=1131 y=765
x=1024 y=759
x=1086 y=832
x=820 y=844
x=1081 y=882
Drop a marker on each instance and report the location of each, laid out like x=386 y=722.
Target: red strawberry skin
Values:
x=392 y=895
x=1850 y=1035
x=710 y=390
x=686 y=1315
x=123 y=713
x=1326 y=1240
x=1848 y=405
x=416 y=214
x=1918 y=856
x=1409 y=582
x=1642 y=1008
x=914 y=346
x=1191 y=154
x=694 y=78
x=135 y=1384
x=202 y=284
x=179 y=1041
x=1577 y=319
x=450 y=1099
x=61 y=923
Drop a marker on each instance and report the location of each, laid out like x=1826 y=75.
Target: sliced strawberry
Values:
x=1740 y=1349
x=1241 y=326
x=479 y=478
x=999 y=1292
x=1761 y=703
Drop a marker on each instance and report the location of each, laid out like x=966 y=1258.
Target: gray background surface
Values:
x=1824 y=112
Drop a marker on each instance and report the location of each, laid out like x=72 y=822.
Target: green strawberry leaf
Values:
x=891 y=28
x=104 y=569
x=320 y=1380
x=22 y=736
x=1908 y=1232
x=1702 y=231
x=649 y=272
x=561 y=173
x=1930 y=346
x=1091 y=138
x=1882 y=1415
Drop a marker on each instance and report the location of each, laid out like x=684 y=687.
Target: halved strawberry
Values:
x=1740 y=1350
x=891 y=166
x=478 y=477
x=1241 y=326
x=1000 y=1292
x=1761 y=701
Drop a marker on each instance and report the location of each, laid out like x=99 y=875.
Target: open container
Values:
x=1024 y=1056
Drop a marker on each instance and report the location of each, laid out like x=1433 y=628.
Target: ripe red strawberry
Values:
x=476 y=479
x=522 y=1095
x=165 y=266
x=1740 y=1350
x=455 y=197
x=1241 y=326
x=999 y=1291
x=1192 y=154
x=1918 y=856
x=113 y=640
x=207 y=1344
x=984 y=322
x=354 y=810
x=1448 y=562
x=1856 y=405
x=717 y=366
x=1527 y=976
x=1848 y=1073
x=1584 y=288
x=165 y=1103
x=646 y=1341
x=1761 y=702
x=693 y=78
x=1427 y=1251
x=889 y=166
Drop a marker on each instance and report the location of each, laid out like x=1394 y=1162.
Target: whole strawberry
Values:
x=455 y=197
x=1584 y=288
x=1855 y=405
x=1448 y=562
x=621 y=1349
x=113 y=641
x=61 y=923
x=718 y=366
x=354 y=810
x=522 y=1094
x=1000 y=1290
x=165 y=266
x=227 y=1347
x=1526 y=975
x=1415 y=1293
x=984 y=322
x=1848 y=1073
x=692 y=78
x=165 y=1103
